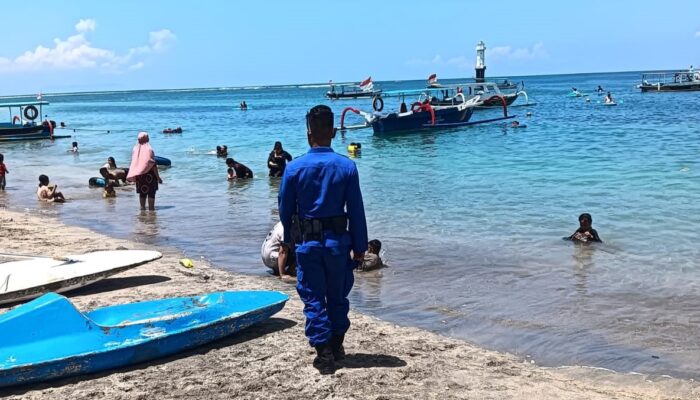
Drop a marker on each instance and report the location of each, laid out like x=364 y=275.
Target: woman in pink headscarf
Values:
x=144 y=171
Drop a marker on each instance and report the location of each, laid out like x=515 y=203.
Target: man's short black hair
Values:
x=376 y=244
x=320 y=120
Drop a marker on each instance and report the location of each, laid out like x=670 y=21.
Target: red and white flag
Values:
x=432 y=78
x=367 y=84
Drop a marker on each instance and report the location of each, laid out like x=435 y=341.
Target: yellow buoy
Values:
x=186 y=262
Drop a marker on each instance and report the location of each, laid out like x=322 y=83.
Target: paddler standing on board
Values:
x=321 y=192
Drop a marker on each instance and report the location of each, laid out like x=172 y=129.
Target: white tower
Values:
x=480 y=61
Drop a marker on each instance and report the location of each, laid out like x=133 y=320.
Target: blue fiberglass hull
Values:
x=49 y=338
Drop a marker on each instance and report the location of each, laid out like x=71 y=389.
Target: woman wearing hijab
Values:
x=144 y=171
x=277 y=161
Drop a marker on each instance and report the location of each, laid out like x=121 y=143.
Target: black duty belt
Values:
x=314 y=228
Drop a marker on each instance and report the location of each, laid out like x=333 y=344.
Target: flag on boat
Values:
x=367 y=85
x=432 y=78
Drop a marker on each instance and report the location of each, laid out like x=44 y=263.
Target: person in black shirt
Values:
x=242 y=172
x=585 y=233
x=277 y=160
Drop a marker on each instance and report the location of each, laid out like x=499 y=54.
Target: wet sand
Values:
x=272 y=360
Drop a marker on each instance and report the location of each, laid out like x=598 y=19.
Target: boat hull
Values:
x=418 y=120
x=495 y=101
x=691 y=87
x=116 y=336
x=24 y=280
x=352 y=95
x=23 y=133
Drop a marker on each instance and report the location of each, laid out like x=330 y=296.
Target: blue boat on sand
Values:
x=49 y=338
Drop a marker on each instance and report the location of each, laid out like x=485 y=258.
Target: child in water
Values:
x=231 y=174
x=109 y=190
x=47 y=192
x=372 y=259
x=75 y=147
x=585 y=233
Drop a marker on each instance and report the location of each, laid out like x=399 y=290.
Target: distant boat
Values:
x=24 y=125
x=49 y=338
x=671 y=81
x=433 y=82
x=364 y=89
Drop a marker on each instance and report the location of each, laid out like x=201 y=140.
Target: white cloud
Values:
x=160 y=40
x=85 y=25
x=76 y=52
x=697 y=34
x=522 y=53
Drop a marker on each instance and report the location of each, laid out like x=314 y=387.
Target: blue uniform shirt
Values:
x=322 y=184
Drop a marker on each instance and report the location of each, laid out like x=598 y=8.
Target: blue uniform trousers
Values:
x=324 y=279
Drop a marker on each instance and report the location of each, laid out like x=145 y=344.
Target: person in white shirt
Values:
x=276 y=256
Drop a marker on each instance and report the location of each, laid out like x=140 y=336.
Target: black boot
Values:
x=324 y=362
x=337 y=347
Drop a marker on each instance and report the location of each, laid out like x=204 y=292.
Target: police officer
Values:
x=320 y=193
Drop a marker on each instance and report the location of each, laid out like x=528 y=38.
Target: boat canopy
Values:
x=24 y=104
x=399 y=93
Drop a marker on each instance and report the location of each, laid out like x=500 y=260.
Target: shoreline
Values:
x=273 y=359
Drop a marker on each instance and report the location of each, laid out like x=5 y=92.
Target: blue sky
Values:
x=155 y=44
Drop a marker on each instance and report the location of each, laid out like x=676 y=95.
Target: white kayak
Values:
x=27 y=279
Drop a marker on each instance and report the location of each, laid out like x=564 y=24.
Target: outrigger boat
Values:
x=488 y=92
x=364 y=89
x=24 y=125
x=671 y=81
x=430 y=113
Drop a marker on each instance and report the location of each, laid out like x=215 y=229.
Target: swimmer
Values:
x=600 y=89
x=231 y=174
x=609 y=99
x=372 y=259
x=528 y=114
x=515 y=124
x=75 y=147
x=585 y=233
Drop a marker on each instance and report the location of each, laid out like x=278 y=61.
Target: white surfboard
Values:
x=27 y=279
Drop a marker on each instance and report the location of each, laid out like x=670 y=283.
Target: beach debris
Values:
x=187 y=263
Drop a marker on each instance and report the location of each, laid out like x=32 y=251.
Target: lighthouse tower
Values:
x=480 y=61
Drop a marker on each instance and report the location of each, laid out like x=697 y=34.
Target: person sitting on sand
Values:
x=372 y=259
x=242 y=172
x=585 y=233
x=276 y=256
x=608 y=99
x=231 y=174
x=109 y=190
x=47 y=192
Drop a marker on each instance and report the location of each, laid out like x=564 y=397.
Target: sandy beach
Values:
x=272 y=360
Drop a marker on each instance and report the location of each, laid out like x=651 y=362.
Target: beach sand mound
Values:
x=272 y=360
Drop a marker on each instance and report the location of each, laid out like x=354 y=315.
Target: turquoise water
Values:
x=471 y=218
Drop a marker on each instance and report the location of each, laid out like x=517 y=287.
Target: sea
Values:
x=471 y=219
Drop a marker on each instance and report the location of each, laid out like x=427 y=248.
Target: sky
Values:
x=80 y=45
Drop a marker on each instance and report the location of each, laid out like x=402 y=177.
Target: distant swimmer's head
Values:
x=375 y=246
x=230 y=162
x=515 y=124
x=319 y=125
x=142 y=138
x=585 y=220
x=111 y=162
